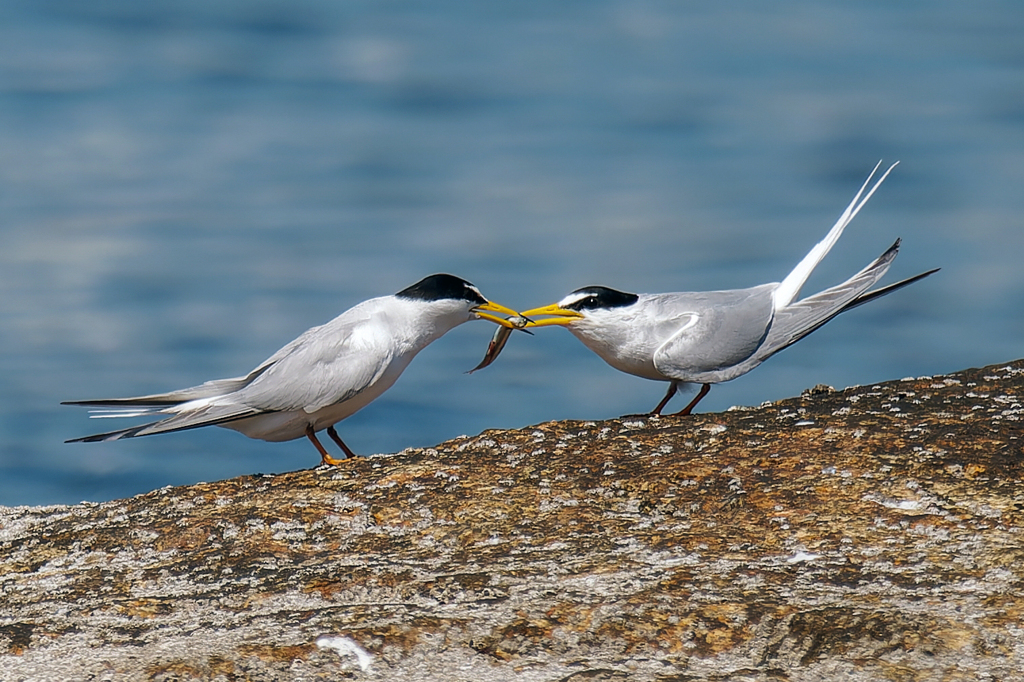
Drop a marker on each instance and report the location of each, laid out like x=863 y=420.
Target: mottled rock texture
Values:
x=866 y=534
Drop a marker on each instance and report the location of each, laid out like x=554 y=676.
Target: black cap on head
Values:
x=440 y=287
x=593 y=298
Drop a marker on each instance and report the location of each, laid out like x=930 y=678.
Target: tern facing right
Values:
x=325 y=375
x=715 y=336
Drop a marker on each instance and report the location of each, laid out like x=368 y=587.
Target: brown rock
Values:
x=866 y=534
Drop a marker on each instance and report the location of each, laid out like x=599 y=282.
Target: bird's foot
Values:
x=325 y=457
x=645 y=415
x=327 y=460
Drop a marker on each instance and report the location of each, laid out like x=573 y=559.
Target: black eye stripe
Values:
x=597 y=297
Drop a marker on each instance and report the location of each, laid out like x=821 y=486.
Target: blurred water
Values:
x=186 y=186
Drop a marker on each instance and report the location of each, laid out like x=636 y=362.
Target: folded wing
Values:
x=730 y=327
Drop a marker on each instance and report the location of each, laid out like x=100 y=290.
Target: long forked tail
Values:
x=149 y=404
x=112 y=435
x=197 y=415
x=145 y=406
x=878 y=293
x=803 y=317
x=200 y=413
x=789 y=289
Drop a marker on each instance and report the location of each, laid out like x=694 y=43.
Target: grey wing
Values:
x=208 y=415
x=729 y=327
x=326 y=365
x=208 y=411
x=144 y=404
x=163 y=403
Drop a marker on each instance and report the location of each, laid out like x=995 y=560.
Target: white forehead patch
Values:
x=574 y=297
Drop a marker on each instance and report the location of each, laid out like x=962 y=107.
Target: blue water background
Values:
x=186 y=186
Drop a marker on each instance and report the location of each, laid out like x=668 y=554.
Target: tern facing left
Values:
x=325 y=375
x=711 y=337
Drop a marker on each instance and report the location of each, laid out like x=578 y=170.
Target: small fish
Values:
x=520 y=322
x=500 y=338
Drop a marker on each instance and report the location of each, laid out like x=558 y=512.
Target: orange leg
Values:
x=337 y=439
x=693 y=403
x=324 y=456
x=664 y=401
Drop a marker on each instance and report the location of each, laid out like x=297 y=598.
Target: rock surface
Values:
x=867 y=534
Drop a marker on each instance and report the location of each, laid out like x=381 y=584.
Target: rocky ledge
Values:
x=866 y=534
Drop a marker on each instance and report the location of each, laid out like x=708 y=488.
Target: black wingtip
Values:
x=894 y=249
x=130 y=432
x=96 y=438
x=878 y=293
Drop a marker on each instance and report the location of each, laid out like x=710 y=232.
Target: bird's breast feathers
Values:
x=627 y=339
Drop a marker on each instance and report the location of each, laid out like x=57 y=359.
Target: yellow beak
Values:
x=561 y=317
x=498 y=308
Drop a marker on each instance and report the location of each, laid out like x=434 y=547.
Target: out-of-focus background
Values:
x=186 y=186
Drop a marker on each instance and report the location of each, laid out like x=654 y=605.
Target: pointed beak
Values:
x=561 y=316
x=491 y=306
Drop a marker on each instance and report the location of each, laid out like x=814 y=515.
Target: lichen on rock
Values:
x=872 y=533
